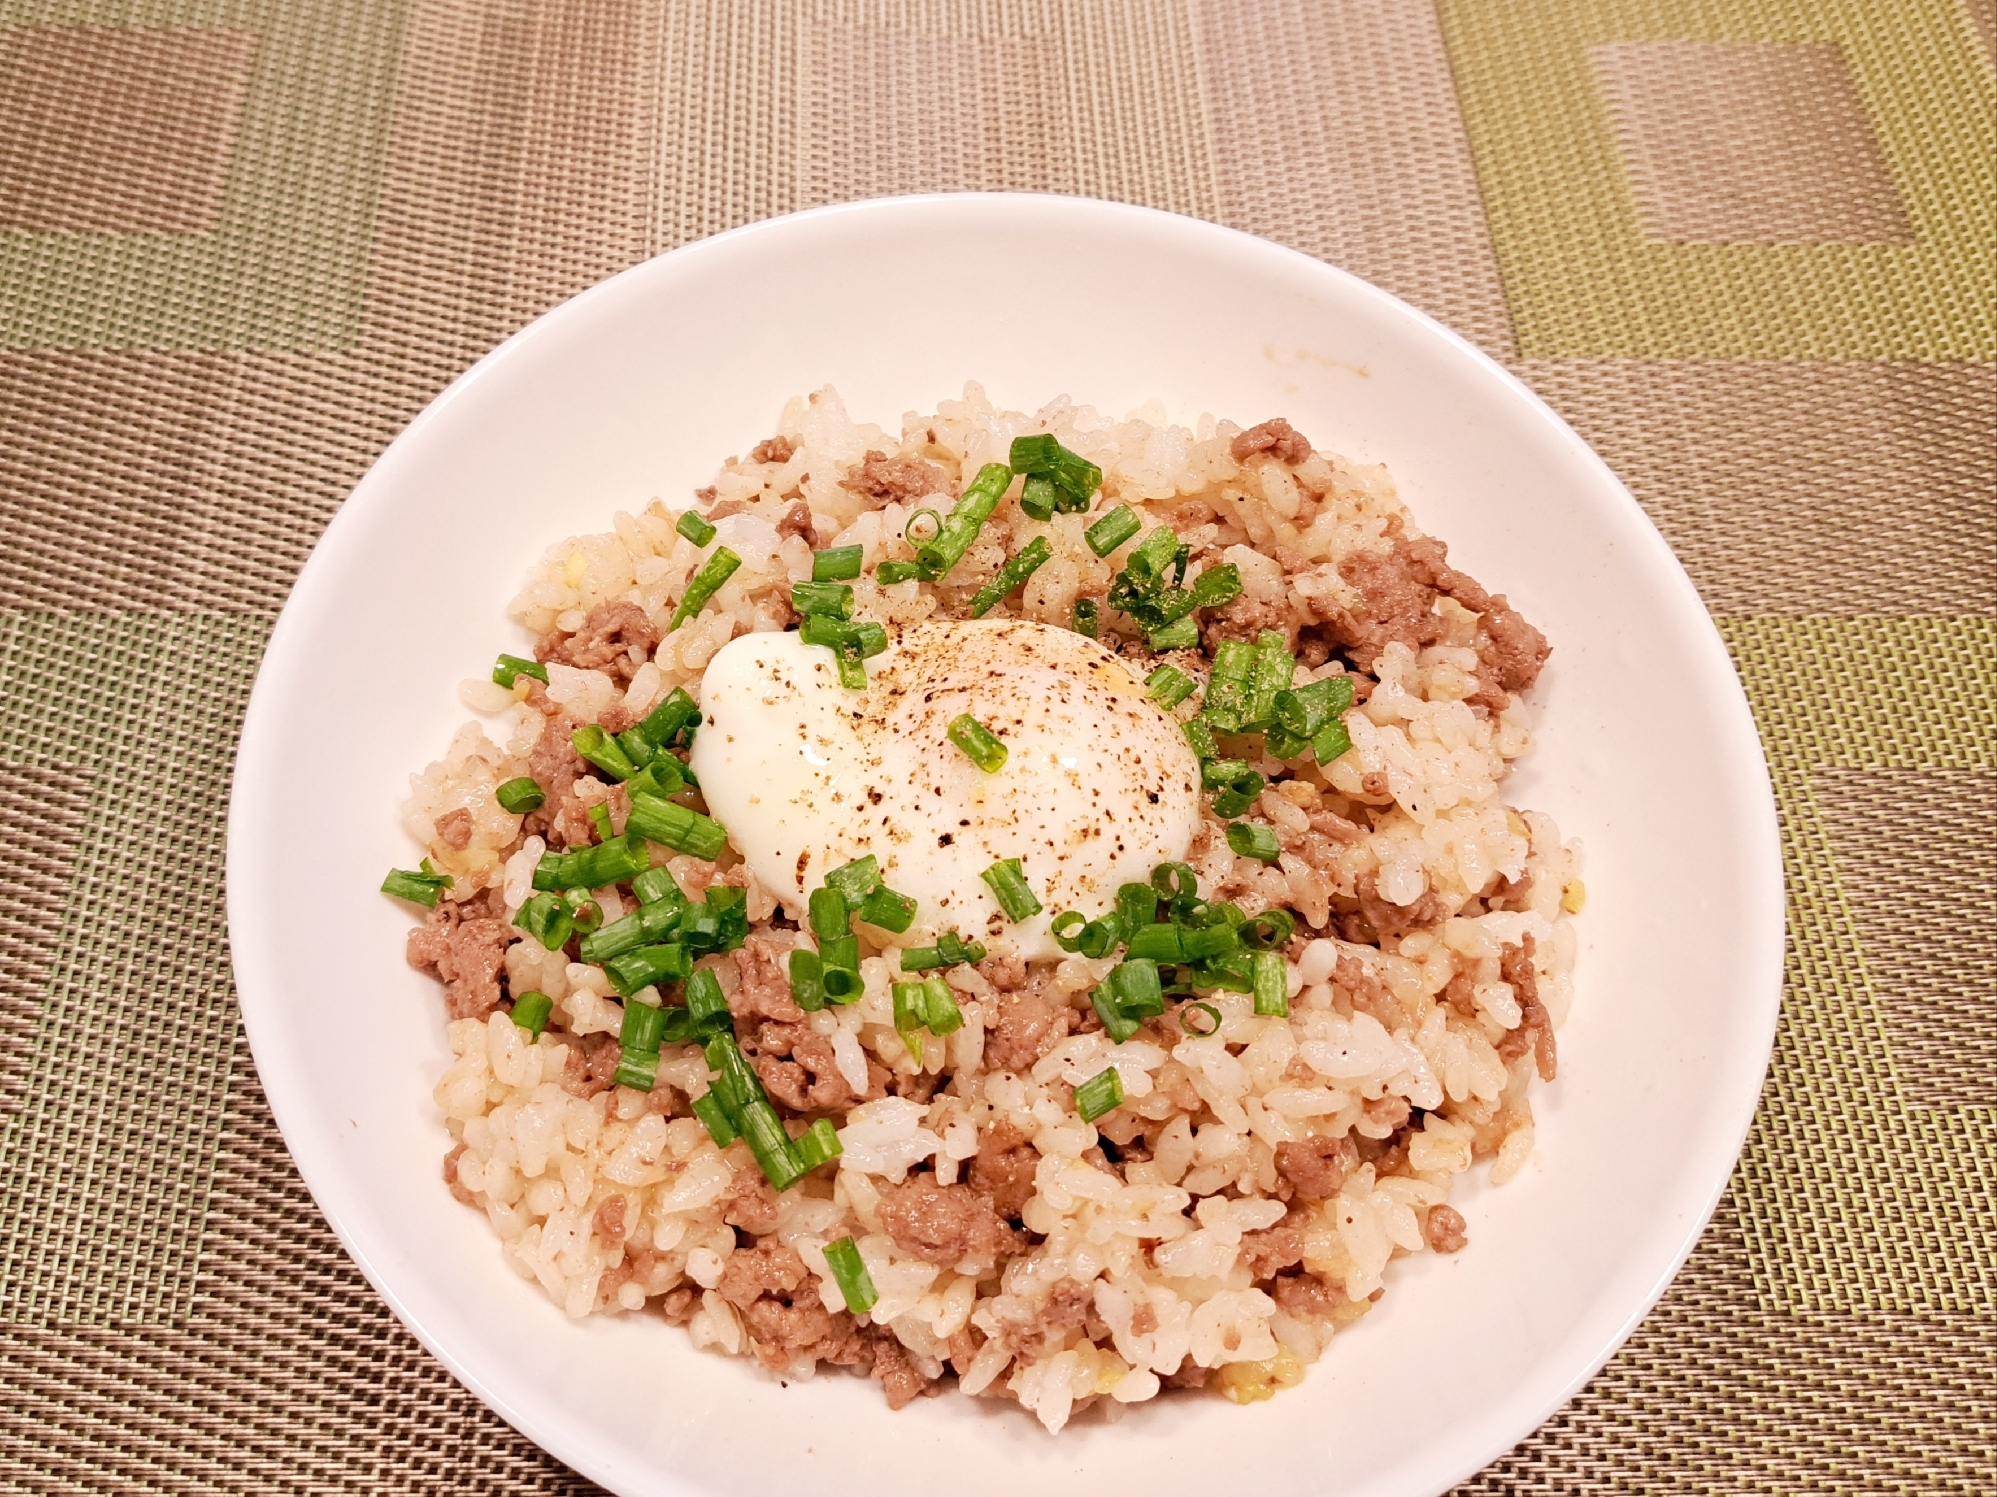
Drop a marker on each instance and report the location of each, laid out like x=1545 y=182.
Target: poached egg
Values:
x=1099 y=785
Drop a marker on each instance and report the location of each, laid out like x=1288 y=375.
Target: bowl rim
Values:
x=1758 y=851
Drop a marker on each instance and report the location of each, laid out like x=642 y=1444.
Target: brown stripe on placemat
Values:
x=1801 y=488
x=43 y=811
x=1336 y=130
x=127 y=129
x=1917 y=856
x=1983 y=18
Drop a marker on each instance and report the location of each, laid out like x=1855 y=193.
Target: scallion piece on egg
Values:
x=509 y=668
x=1007 y=881
x=978 y=742
x=1251 y=839
x=856 y=1285
x=1032 y=556
x=1112 y=530
x=1100 y=1094
x=887 y=909
x=857 y=879
x=531 y=1011
x=1136 y=907
x=840 y=564
x=695 y=528
x=1066 y=928
x=1271 y=975
x=716 y=570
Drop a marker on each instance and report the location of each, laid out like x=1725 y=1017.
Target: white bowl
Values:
x=638 y=388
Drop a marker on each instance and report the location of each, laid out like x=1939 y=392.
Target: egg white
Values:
x=1098 y=787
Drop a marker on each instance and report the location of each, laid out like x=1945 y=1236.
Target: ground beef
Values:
x=942 y=1224
x=764 y=992
x=451 y=1179
x=915 y=1086
x=891 y=480
x=454 y=829
x=1004 y=1168
x=785 y=1335
x=768 y=1268
x=608 y=1223
x=1003 y=972
x=1245 y=619
x=1027 y=1026
x=1510 y=651
x=467 y=950
x=1535 y=1029
x=1276 y=437
x=1269 y=1252
x=1307 y=1297
x=750 y=1204
x=592 y=1065
x=773 y=450
x=1377 y=920
x=797 y=521
x=1316 y=1167
x=678 y=1305
x=1445 y=1229
x=900 y=1379
x=555 y=765
x=1389 y=1112
x=1367 y=994
x=798 y=1068
x=615 y=638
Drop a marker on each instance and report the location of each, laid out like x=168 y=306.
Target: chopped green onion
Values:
x=1136 y=906
x=840 y=564
x=1269 y=931
x=840 y=952
x=807 y=987
x=1332 y=740
x=717 y=569
x=1279 y=742
x=1274 y=666
x=418 y=888
x=911 y=1012
x=657 y=886
x=1272 y=983
x=646 y=967
x=1038 y=498
x=1112 y=530
x=1231 y=972
x=637 y=1069
x=1007 y=881
x=665 y=723
x=1182 y=634
x=1042 y=455
x=674 y=825
x=843 y=985
x=949 y=950
x=648 y=925
x=978 y=742
x=890 y=572
x=857 y=879
x=966 y=518
x=584 y=909
x=922 y=527
x=1237 y=784
x=1304 y=710
x=519 y=796
x=1067 y=928
x=1037 y=453
x=1251 y=839
x=819 y=1144
x=1199 y=945
x=695 y=528
x=1154 y=555
x=720 y=922
x=1228 y=687
x=603 y=751
x=831 y=599
x=1099 y=937
x=1175 y=881
x=706 y=1005
x=1169 y=686
x=1118 y=1026
x=1200 y=736
x=887 y=909
x=611 y=862
x=599 y=817
x=1158 y=943
x=940 y=1011
x=1216 y=585
x=1100 y=1094
x=856 y=1286
x=1213 y=1018
x=644 y=1025
x=1085 y=619
x=731 y=1074
x=509 y=668
x=1032 y=556
x=764 y=1132
x=829 y=917
x=547 y=918
x=531 y=1011
x=720 y=1127
x=1137 y=988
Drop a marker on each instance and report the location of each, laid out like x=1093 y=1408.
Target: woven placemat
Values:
x=1744 y=245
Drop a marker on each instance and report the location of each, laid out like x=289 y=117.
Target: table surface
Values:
x=1743 y=245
